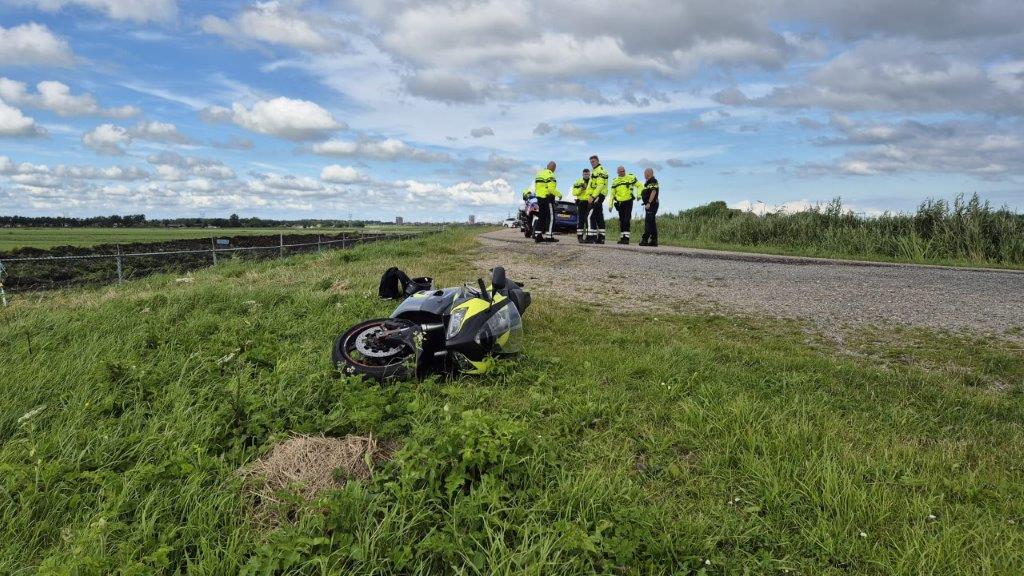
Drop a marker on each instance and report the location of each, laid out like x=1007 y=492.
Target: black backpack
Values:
x=395 y=284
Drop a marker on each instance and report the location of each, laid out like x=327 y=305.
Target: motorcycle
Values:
x=448 y=331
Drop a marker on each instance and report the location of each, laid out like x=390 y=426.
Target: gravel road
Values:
x=830 y=293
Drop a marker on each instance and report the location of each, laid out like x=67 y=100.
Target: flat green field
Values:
x=11 y=238
x=642 y=444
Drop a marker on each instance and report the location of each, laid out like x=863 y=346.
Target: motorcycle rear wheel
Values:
x=360 y=350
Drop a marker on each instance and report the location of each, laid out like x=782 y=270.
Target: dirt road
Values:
x=829 y=293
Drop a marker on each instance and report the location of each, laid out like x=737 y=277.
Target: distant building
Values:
x=472 y=219
x=399 y=220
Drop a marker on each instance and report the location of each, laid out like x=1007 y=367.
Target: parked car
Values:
x=565 y=216
x=510 y=223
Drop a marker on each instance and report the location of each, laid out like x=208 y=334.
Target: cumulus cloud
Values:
x=905 y=76
x=978 y=148
x=573 y=132
x=57 y=98
x=134 y=10
x=285 y=182
x=171 y=166
x=33 y=45
x=156 y=131
x=107 y=139
x=490 y=193
x=445 y=86
x=341 y=174
x=282 y=117
x=14 y=123
x=481 y=132
x=271 y=22
x=682 y=163
x=544 y=129
x=389 y=149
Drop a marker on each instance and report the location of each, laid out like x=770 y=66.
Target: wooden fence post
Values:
x=213 y=249
x=281 y=239
x=3 y=295
x=120 y=267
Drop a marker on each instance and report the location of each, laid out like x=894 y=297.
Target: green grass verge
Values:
x=617 y=444
x=11 y=238
x=961 y=233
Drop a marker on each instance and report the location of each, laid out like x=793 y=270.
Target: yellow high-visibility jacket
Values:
x=546 y=185
x=581 y=189
x=624 y=188
x=598 y=182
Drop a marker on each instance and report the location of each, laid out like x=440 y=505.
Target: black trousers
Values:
x=546 y=218
x=625 y=216
x=597 y=215
x=582 y=213
x=651 y=224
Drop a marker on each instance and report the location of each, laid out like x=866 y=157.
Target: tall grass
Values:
x=963 y=231
x=642 y=445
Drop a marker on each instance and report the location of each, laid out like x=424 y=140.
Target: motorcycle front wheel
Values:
x=371 y=349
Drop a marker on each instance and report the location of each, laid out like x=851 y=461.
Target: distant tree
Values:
x=234 y=221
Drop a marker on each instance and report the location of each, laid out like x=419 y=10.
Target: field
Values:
x=642 y=444
x=962 y=233
x=12 y=238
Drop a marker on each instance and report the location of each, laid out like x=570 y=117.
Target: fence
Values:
x=44 y=272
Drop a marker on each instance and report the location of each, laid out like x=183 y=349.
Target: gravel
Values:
x=830 y=293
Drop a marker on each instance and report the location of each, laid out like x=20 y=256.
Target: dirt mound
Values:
x=308 y=466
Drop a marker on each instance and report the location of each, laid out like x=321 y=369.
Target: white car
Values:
x=510 y=223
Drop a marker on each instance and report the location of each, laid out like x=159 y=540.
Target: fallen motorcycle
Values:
x=449 y=330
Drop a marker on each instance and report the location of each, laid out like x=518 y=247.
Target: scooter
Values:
x=447 y=331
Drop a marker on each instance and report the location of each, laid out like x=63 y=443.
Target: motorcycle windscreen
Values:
x=505 y=330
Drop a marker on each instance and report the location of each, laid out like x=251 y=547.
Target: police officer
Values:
x=530 y=209
x=598 y=191
x=546 y=188
x=650 y=197
x=581 y=192
x=623 y=193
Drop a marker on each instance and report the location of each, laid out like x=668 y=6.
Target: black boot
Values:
x=643 y=241
x=580 y=239
x=623 y=240
x=600 y=239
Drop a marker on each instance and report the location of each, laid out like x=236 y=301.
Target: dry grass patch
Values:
x=308 y=466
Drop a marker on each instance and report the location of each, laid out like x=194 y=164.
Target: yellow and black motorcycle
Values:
x=447 y=330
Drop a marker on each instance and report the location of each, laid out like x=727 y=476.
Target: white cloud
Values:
x=341 y=174
x=981 y=149
x=135 y=10
x=14 y=123
x=390 y=149
x=281 y=117
x=481 y=132
x=57 y=98
x=496 y=192
x=285 y=182
x=107 y=139
x=33 y=45
x=172 y=167
x=156 y=131
x=904 y=75
x=271 y=22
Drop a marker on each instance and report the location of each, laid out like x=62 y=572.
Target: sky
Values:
x=438 y=109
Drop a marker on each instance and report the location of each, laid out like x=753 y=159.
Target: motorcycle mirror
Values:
x=498 y=278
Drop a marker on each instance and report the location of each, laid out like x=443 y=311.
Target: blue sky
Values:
x=438 y=109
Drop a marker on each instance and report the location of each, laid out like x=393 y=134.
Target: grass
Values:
x=962 y=233
x=11 y=238
x=639 y=445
